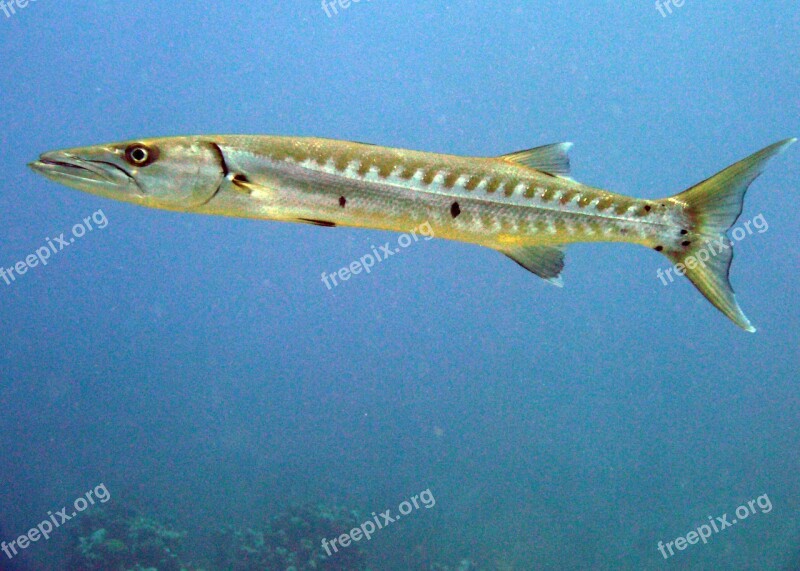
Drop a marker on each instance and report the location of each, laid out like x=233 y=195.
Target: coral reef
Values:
x=292 y=541
x=115 y=539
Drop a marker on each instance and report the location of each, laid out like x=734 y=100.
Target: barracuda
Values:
x=521 y=204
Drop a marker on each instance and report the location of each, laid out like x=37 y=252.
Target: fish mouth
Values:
x=85 y=174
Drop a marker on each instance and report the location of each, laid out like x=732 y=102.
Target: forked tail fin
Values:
x=713 y=206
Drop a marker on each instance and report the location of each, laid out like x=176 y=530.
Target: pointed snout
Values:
x=63 y=163
x=83 y=171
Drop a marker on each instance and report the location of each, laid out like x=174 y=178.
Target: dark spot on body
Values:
x=686 y=243
x=342 y=201
x=684 y=232
x=648 y=208
x=455 y=210
x=659 y=248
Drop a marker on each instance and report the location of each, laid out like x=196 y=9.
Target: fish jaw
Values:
x=171 y=173
x=89 y=175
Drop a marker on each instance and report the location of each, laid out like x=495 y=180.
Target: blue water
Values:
x=200 y=370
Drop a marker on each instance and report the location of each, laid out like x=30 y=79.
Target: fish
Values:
x=522 y=204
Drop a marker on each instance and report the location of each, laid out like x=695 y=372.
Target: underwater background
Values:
x=231 y=412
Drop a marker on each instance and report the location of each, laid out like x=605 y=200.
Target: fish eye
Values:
x=140 y=155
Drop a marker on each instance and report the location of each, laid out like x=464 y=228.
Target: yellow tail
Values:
x=714 y=205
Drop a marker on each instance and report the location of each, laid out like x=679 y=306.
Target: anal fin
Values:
x=544 y=261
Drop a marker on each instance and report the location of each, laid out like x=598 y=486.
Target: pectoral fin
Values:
x=544 y=261
x=243 y=184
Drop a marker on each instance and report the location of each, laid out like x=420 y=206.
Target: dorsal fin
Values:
x=552 y=159
x=544 y=261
